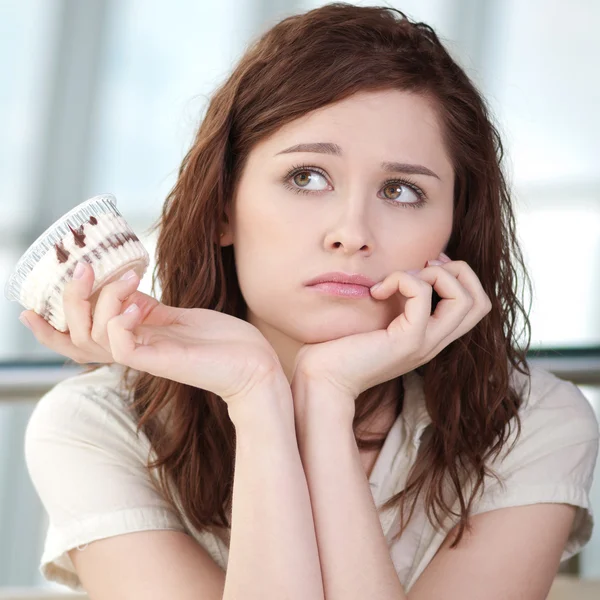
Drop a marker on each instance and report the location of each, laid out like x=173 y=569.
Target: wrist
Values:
x=320 y=410
x=271 y=399
x=315 y=396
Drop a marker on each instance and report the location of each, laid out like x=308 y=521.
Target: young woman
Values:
x=258 y=435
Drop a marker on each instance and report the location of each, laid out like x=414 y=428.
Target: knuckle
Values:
x=266 y=365
x=468 y=299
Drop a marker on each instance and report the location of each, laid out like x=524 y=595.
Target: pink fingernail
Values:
x=79 y=270
x=434 y=263
x=24 y=321
x=377 y=285
x=445 y=257
x=129 y=275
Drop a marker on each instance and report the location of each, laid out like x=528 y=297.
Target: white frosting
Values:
x=48 y=276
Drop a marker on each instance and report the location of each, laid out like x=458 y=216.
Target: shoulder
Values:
x=83 y=431
x=551 y=405
x=553 y=459
x=87 y=406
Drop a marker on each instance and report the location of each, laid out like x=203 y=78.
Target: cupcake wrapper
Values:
x=93 y=231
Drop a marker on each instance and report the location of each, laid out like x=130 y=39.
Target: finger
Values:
x=450 y=312
x=122 y=340
x=481 y=302
x=78 y=310
x=482 y=305
x=110 y=304
x=469 y=280
x=51 y=338
x=418 y=294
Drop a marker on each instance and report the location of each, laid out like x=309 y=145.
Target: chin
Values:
x=325 y=332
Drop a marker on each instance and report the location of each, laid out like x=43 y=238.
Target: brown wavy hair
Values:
x=303 y=63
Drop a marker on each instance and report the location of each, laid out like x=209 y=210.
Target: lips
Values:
x=348 y=290
x=339 y=277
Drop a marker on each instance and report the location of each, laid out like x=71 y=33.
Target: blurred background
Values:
x=104 y=96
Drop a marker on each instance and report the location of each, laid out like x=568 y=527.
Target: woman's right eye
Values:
x=301 y=179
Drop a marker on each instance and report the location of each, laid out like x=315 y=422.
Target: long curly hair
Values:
x=303 y=63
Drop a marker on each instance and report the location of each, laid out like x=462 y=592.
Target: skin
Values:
x=350 y=221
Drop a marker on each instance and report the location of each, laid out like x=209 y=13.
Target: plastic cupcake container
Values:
x=94 y=232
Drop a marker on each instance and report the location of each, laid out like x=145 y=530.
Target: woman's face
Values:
x=350 y=212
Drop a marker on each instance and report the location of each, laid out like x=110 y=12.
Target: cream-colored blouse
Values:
x=88 y=467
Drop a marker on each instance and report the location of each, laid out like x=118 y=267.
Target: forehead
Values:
x=387 y=125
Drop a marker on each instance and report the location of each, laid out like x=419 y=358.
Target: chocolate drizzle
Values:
x=78 y=235
x=113 y=241
x=62 y=254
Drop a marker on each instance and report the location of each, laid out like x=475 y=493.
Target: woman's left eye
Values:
x=306 y=173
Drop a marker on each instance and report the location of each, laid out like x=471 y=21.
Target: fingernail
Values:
x=377 y=285
x=414 y=271
x=445 y=257
x=131 y=308
x=24 y=321
x=434 y=263
x=129 y=275
x=79 y=270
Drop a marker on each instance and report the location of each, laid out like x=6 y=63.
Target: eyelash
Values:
x=407 y=182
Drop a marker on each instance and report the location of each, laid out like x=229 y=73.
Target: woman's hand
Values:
x=358 y=362
x=199 y=347
x=86 y=340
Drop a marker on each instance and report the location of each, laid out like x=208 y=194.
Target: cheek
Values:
x=265 y=216
x=263 y=257
x=271 y=239
x=420 y=242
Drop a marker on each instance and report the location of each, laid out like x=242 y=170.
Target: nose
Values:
x=349 y=239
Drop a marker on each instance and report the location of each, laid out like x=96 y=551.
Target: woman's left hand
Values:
x=358 y=362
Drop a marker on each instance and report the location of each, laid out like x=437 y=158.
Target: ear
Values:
x=226 y=238
x=225 y=234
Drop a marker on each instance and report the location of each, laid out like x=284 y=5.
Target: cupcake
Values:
x=93 y=231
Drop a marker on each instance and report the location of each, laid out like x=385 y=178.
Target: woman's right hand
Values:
x=232 y=343
x=86 y=340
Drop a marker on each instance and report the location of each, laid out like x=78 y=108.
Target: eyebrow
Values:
x=329 y=148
